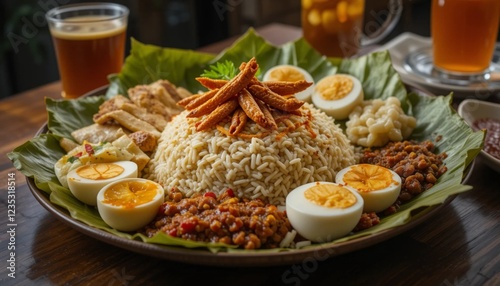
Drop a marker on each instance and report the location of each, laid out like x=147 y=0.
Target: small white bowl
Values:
x=473 y=109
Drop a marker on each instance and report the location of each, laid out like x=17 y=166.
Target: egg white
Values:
x=129 y=218
x=340 y=108
x=86 y=190
x=376 y=200
x=106 y=152
x=304 y=95
x=318 y=223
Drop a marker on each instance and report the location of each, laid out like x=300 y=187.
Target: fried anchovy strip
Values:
x=280 y=87
x=251 y=108
x=228 y=90
x=211 y=83
x=197 y=100
x=238 y=122
x=270 y=122
x=221 y=112
x=187 y=100
x=286 y=88
x=273 y=99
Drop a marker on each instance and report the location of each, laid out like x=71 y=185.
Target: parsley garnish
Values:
x=225 y=70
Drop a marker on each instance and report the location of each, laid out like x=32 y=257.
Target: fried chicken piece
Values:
x=97 y=133
x=166 y=93
x=144 y=140
x=120 y=102
x=156 y=120
x=183 y=93
x=109 y=105
x=171 y=89
x=128 y=121
x=142 y=96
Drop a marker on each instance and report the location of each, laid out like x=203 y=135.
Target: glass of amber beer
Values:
x=464 y=34
x=89 y=40
x=335 y=27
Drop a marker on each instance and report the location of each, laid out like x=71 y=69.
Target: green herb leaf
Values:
x=221 y=70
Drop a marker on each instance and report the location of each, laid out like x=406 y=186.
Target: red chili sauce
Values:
x=492 y=139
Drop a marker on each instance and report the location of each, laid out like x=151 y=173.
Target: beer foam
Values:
x=87 y=28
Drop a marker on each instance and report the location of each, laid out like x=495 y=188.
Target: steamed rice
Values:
x=267 y=168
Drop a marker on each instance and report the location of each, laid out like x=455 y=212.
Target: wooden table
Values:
x=459 y=246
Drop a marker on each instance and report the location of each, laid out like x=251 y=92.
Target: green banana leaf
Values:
x=147 y=63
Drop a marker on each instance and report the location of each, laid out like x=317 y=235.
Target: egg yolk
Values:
x=367 y=178
x=330 y=196
x=337 y=87
x=130 y=194
x=101 y=171
x=286 y=74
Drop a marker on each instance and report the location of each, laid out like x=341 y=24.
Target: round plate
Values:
x=205 y=257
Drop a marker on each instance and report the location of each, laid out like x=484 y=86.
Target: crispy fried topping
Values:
x=241 y=98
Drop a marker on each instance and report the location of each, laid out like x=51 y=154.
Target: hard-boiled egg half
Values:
x=323 y=211
x=86 y=181
x=291 y=73
x=130 y=204
x=378 y=186
x=337 y=95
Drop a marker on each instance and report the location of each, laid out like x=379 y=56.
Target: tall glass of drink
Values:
x=464 y=34
x=89 y=40
x=335 y=27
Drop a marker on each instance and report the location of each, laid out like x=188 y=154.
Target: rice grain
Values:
x=267 y=168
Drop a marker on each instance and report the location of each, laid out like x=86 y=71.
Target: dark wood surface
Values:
x=459 y=246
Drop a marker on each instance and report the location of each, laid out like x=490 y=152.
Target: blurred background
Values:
x=27 y=58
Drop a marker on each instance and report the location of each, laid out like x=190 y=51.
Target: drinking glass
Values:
x=464 y=34
x=335 y=27
x=89 y=40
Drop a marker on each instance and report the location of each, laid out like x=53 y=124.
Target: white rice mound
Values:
x=267 y=168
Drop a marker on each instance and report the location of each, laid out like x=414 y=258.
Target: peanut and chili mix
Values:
x=249 y=224
x=415 y=162
x=253 y=224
